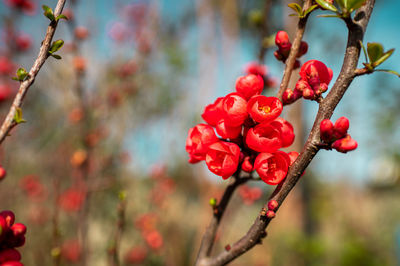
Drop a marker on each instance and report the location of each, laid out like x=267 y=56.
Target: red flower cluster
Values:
x=284 y=46
x=147 y=224
x=26 y=6
x=315 y=77
x=336 y=135
x=251 y=134
x=72 y=199
x=33 y=188
x=249 y=195
x=12 y=235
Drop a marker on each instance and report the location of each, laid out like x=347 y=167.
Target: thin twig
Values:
x=120 y=225
x=356 y=29
x=294 y=50
x=9 y=122
x=208 y=239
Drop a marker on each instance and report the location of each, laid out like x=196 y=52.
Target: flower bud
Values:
x=308 y=94
x=249 y=85
x=303 y=49
x=3 y=173
x=341 y=127
x=281 y=38
x=278 y=55
x=247 y=166
x=272 y=205
x=270 y=214
x=345 y=144
x=326 y=130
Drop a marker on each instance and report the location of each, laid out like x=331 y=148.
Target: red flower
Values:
x=226 y=131
x=235 y=108
x=247 y=165
x=345 y=144
x=286 y=130
x=72 y=199
x=264 y=109
x=33 y=187
x=199 y=139
x=256 y=69
x=136 y=255
x=153 y=239
x=293 y=156
x=249 y=85
x=6 y=66
x=315 y=70
x=23 y=42
x=264 y=138
x=213 y=112
x=326 y=130
x=26 y=6
x=71 y=250
x=223 y=158
x=341 y=126
x=9 y=255
x=272 y=167
x=249 y=195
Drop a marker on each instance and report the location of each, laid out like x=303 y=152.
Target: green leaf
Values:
x=48 y=12
x=55 y=46
x=21 y=74
x=375 y=51
x=383 y=58
x=62 y=16
x=326 y=5
x=18 y=116
x=309 y=10
x=388 y=71
x=56 y=56
x=354 y=4
x=342 y=3
x=297 y=8
x=365 y=52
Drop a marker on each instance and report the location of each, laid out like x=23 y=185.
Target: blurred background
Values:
x=99 y=172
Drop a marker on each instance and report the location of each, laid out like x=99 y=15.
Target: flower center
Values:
x=265 y=109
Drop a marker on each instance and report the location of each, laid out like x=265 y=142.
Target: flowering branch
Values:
x=290 y=61
x=9 y=122
x=356 y=30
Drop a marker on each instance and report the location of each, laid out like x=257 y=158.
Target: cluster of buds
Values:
x=284 y=46
x=336 y=135
x=250 y=134
x=12 y=235
x=315 y=77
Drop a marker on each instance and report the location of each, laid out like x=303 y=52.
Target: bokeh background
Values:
x=106 y=126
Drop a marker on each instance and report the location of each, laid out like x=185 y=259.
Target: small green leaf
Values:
x=21 y=74
x=383 y=58
x=326 y=5
x=48 y=12
x=213 y=202
x=365 y=52
x=56 y=56
x=310 y=10
x=354 y=4
x=18 y=116
x=55 y=46
x=62 y=16
x=297 y=8
x=342 y=3
x=375 y=51
x=122 y=195
x=388 y=71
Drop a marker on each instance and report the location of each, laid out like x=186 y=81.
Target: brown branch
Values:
x=356 y=29
x=9 y=123
x=301 y=26
x=207 y=241
x=120 y=225
x=264 y=30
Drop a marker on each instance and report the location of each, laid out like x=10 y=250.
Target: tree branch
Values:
x=301 y=26
x=9 y=122
x=356 y=30
x=207 y=241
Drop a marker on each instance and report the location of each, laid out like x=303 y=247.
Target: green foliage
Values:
x=21 y=74
x=48 y=12
x=18 y=116
x=326 y=5
x=299 y=11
